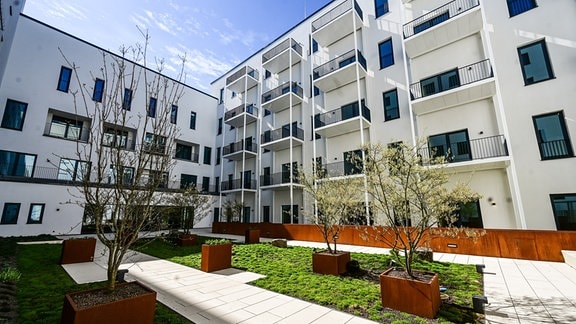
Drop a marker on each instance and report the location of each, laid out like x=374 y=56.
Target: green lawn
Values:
x=289 y=271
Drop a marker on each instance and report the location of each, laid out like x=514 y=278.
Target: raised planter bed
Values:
x=216 y=257
x=416 y=297
x=331 y=264
x=252 y=236
x=187 y=240
x=78 y=250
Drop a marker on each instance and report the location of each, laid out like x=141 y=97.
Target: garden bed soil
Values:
x=8 y=301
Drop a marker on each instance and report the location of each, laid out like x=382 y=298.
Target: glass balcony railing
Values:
x=237 y=184
x=476 y=149
x=288 y=43
x=343 y=113
x=338 y=63
x=438 y=15
x=246 y=145
x=282 y=132
x=250 y=109
x=338 y=11
x=279 y=178
x=282 y=90
x=246 y=70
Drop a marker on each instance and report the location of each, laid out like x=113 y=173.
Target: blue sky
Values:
x=215 y=34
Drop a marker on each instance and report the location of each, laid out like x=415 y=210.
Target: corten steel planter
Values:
x=187 y=240
x=252 y=236
x=216 y=257
x=137 y=309
x=410 y=296
x=331 y=264
x=78 y=250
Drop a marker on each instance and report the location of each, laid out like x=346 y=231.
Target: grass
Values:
x=43 y=283
x=289 y=271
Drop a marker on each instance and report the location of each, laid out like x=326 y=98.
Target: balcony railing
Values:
x=282 y=90
x=282 y=132
x=246 y=70
x=68 y=131
x=338 y=63
x=451 y=79
x=278 y=179
x=476 y=149
x=343 y=113
x=335 y=13
x=288 y=43
x=339 y=169
x=555 y=149
x=250 y=109
x=238 y=147
x=237 y=184
x=438 y=15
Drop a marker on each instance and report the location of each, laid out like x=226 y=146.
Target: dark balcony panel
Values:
x=555 y=149
x=246 y=70
x=248 y=108
x=288 y=43
x=343 y=113
x=282 y=90
x=246 y=145
x=476 y=149
x=451 y=79
x=282 y=132
x=338 y=63
x=237 y=184
x=279 y=179
x=438 y=16
x=338 y=11
x=339 y=169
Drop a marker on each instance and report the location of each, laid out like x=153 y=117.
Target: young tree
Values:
x=232 y=210
x=410 y=195
x=192 y=207
x=336 y=201
x=127 y=159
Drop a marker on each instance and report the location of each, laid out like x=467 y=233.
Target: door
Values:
x=266 y=178
x=246 y=214
x=353 y=162
x=247 y=179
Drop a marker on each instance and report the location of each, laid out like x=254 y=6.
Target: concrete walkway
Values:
x=518 y=291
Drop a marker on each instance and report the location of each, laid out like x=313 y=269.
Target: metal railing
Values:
x=555 y=149
x=476 y=149
x=246 y=70
x=439 y=83
x=239 y=147
x=338 y=63
x=438 y=15
x=282 y=132
x=279 y=178
x=338 y=11
x=339 y=169
x=127 y=144
x=249 y=108
x=288 y=43
x=343 y=113
x=237 y=184
x=282 y=90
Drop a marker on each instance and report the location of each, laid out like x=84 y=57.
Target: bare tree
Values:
x=410 y=196
x=232 y=210
x=127 y=159
x=192 y=207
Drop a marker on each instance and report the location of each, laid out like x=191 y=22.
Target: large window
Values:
x=114 y=137
x=441 y=82
x=65 y=128
x=10 y=213
x=289 y=214
x=64 y=79
x=380 y=7
x=158 y=178
x=126 y=174
x=188 y=181
x=207 y=155
x=127 y=101
x=454 y=147
x=468 y=215
x=535 y=62
x=552 y=136
x=16 y=164
x=174 y=114
x=14 y=114
x=152 y=107
x=218 y=153
x=36 y=213
x=98 y=90
x=73 y=170
x=391 y=108
x=516 y=7
x=186 y=152
x=564 y=207
x=154 y=144
x=192 y=120
x=386 y=53
x=205 y=184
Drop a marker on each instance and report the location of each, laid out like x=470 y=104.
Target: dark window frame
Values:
x=152 y=103
x=127 y=99
x=98 y=92
x=565 y=135
x=389 y=117
x=519 y=9
x=64 y=79
x=39 y=221
x=207 y=158
x=571 y=209
x=4 y=221
x=15 y=169
x=387 y=59
x=174 y=114
x=6 y=118
x=193 y=116
x=381 y=7
x=523 y=57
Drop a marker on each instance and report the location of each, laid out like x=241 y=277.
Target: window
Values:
x=266 y=214
x=267 y=112
x=314 y=46
x=353 y=162
x=158 y=178
x=454 y=147
x=14 y=114
x=219 y=126
x=114 y=137
x=64 y=79
x=188 y=181
x=316 y=91
x=216 y=184
x=192 y=120
x=535 y=62
x=564 y=207
x=10 y=213
x=205 y=184
x=381 y=7
x=35 y=214
x=154 y=144
x=127 y=102
x=552 y=136
x=207 y=155
x=65 y=128
x=185 y=152
x=17 y=164
x=218 y=152
x=233 y=94
x=73 y=170
x=288 y=211
x=467 y=215
x=438 y=83
x=221 y=95
x=391 y=109
x=431 y=22
x=126 y=174
x=267 y=74
x=516 y=7
x=152 y=107
x=216 y=214
x=98 y=90
x=173 y=114
x=386 y=53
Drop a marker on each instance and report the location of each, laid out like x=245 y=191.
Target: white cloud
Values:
x=66 y=10
x=198 y=62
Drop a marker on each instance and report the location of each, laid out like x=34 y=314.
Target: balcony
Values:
x=455 y=87
x=340 y=71
x=282 y=96
x=237 y=185
x=489 y=149
x=235 y=117
x=279 y=57
x=342 y=120
x=237 y=151
x=278 y=181
x=441 y=26
x=339 y=169
x=242 y=80
x=337 y=23
x=279 y=139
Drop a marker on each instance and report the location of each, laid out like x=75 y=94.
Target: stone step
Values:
x=569 y=258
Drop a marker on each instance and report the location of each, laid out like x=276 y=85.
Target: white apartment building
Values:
x=487 y=84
